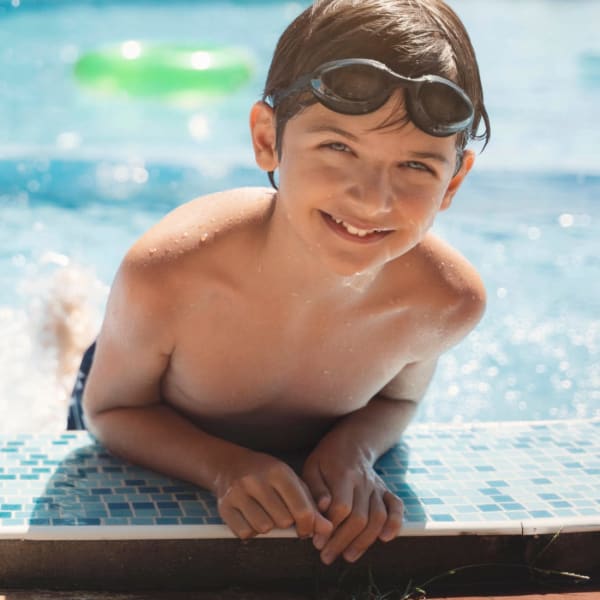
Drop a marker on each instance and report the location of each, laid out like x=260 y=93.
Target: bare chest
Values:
x=269 y=366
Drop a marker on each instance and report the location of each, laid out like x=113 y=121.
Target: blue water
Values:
x=82 y=176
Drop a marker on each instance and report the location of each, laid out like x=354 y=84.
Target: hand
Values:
x=355 y=499
x=261 y=492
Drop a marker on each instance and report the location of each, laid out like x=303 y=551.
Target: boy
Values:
x=253 y=323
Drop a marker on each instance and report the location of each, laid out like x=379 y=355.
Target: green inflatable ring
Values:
x=141 y=69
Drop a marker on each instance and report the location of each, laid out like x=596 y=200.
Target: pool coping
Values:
x=211 y=532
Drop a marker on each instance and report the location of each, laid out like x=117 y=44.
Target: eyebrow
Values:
x=430 y=155
x=322 y=128
x=425 y=154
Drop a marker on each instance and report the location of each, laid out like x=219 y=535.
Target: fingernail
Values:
x=386 y=536
x=351 y=555
x=319 y=541
x=323 y=503
x=327 y=557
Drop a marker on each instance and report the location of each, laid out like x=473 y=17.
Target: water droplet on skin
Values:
x=204 y=237
x=152 y=251
x=185 y=234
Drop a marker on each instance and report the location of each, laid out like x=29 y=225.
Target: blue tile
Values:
x=192 y=520
x=88 y=521
x=432 y=501
x=502 y=499
x=142 y=521
x=166 y=521
x=549 y=496
x=516 y=493
x=61 y=522
x=489 y=508
x=560 y=504
x=497 y=484
x=443 y=518
x=540 y=514
x=489 y=492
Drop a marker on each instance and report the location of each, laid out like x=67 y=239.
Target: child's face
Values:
x=340 y=177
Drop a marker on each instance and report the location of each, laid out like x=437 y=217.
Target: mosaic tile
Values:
x=508 y=477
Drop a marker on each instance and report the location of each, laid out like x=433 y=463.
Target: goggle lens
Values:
x=356 y=83
x=442 y=104
x=358 y=86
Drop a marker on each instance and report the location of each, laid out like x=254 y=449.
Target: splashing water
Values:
x=41 y=344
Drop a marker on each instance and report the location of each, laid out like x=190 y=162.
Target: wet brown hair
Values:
x=412 y=37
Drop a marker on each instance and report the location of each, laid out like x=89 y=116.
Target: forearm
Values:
x=158 y=438
x=372 y=430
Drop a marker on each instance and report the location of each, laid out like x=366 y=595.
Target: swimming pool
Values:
x=82 y=176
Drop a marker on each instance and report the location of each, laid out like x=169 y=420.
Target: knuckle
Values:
x=245 y=484
x=340 y=510
x=284 y=522
x=277 y=471
x=360 y=521
x=305 y=517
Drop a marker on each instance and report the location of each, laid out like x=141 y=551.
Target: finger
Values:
x=234 y=519
x=323 y=530
x=395 y=517
x=298 y=500
x=274 y=506
x=342 y=502
x=377 y=519
x=350 y=528
x=255 y=515
x=313 y=478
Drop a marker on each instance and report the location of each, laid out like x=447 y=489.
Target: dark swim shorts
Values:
x=75 y=419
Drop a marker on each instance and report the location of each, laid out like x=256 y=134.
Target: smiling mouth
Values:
x=362 y=234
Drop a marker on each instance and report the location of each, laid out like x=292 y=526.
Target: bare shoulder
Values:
x=450 y=289
x=202 y=220
x=186 y=246
x=197 y=228
x=456 y=278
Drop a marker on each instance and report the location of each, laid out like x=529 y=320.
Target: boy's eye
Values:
x=416 y=165
x=337 y=146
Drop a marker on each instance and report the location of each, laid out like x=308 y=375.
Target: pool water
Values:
x=81 y=176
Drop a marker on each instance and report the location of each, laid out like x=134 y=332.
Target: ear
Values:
x=467 y=164
x=263 y=131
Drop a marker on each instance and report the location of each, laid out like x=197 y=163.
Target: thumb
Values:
x=317 y=486
x=323 y=530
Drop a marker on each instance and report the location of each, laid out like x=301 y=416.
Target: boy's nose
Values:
x=372 y=190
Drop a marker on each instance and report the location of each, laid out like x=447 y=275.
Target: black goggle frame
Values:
x=416 y=88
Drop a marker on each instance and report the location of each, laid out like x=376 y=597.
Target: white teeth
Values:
x=354 y=230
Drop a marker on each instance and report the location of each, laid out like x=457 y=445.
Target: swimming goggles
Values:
x=357 y=86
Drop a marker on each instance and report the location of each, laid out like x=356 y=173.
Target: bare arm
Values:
x=340 y=473
x=124 y=410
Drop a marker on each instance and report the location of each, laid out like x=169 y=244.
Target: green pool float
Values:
x=164 y=70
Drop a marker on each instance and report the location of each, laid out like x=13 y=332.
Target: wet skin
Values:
x=251 y=323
